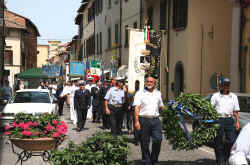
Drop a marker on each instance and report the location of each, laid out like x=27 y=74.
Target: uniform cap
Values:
x=82 y=83
x=225 y=81
x=119 y=78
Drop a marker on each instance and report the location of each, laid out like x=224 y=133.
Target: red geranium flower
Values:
x=14 y=124
x=26 y=133
x=7 y=133
x=7 y=127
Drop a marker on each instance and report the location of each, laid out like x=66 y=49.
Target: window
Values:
x=97 y=43
x=110 y=4
x=163 y=14
x=150 y=17
x=31 y=97
x=135 y=25
x=116 y=33
x=100 y=38
x=180 y=14
x=109 y=38
x=126 y=36
x=8 y=57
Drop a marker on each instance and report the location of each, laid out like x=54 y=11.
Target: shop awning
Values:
x=32 y=74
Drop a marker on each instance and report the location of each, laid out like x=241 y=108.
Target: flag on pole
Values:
x=102 y=75
x=61 y=73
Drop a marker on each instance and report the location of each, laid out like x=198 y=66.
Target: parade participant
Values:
x=60 y=100
x=6 y=90
x=66 y=92
x=96 y=102
x=240 y=153
x=82 y=103
x=227 y=106
x=114 y=100
x=47 y=85
x=53 y=87
x=105 y=118
x=128 y=117
x=148 y=103
x=73 y=114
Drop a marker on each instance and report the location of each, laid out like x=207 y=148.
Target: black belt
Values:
x=149 y=116
x=116 y=105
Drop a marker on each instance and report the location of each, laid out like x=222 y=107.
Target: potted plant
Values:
x=36 y=133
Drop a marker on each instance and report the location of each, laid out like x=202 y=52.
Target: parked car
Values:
x=244 y=102
x=30 y=101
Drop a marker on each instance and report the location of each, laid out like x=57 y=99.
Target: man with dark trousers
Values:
x=105 y=118
x=96 y=102
x=114 y=100
x=82 y=101
x=148 y=103
x=227 y=106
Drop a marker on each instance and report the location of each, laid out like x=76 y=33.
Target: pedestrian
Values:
x=105 y=118
x=240 y=153
x=60 y=99
x=82 y=103
x=96 y=102
x=73 y=114
x=66 y=92
x=127 y=107
x=42 y=85
x=114 y=100
x=227 y=105
x=53 y=87
x=46 y=85
x=6 y=90
x=19 y=85
x=148 y=103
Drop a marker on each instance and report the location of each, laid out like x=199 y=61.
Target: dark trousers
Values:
x=225 y=139
x=96 y=113
x=129 y=119
x=150 y=128
x=105 y=118
x=81 y=117
x=61 y=101
x=116 y=119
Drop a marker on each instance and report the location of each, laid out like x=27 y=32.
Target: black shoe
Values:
x=78 y=130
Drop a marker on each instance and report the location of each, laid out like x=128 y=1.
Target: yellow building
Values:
x=43 y=55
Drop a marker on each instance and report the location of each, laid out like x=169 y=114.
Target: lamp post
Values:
x=2 y=40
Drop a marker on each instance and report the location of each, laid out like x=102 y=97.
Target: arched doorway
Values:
x=178 y=79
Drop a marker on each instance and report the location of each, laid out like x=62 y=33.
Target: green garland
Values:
x=202 y=133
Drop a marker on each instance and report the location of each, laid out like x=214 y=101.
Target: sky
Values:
x=53 y=18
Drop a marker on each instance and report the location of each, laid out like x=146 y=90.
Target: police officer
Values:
x=105 y=118
x=114 y=100
x=227 y=106
x=82 y=101
x=96 y=102
x=148 y=103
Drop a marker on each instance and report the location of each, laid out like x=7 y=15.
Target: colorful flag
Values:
x=61 y=73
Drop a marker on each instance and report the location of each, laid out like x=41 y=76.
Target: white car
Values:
x=30 y=101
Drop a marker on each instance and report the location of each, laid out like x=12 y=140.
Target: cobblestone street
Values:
x=202 y=156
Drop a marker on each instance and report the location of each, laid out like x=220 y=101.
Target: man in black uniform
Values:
x=82 y=101
x=105 y=118
x=96 y=102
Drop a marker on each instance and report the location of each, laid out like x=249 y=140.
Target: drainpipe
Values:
x=242 y=72
x=201 y=73
x=168 y=47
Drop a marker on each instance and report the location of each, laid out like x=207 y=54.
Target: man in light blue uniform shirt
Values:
x=114 y=100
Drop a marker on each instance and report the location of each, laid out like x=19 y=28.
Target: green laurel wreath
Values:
x=201 y=134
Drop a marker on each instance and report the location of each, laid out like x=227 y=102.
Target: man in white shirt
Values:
x=227 y=106
x=73 y=114
x=240 y=154
x=66 y=94
x=148 y=103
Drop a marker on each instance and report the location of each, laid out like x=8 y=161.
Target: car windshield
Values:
x=31 y=97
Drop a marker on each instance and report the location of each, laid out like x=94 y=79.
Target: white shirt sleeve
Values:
x=213 y=100
x=107 y=96
x=137 y=99
x=236 y=104
x=161 y=102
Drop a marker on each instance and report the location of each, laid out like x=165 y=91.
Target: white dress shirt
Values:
x=240 y=153
x=66 y=90
x=148 y=102
x=225 y=104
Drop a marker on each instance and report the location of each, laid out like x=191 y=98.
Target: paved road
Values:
x=202 y=156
